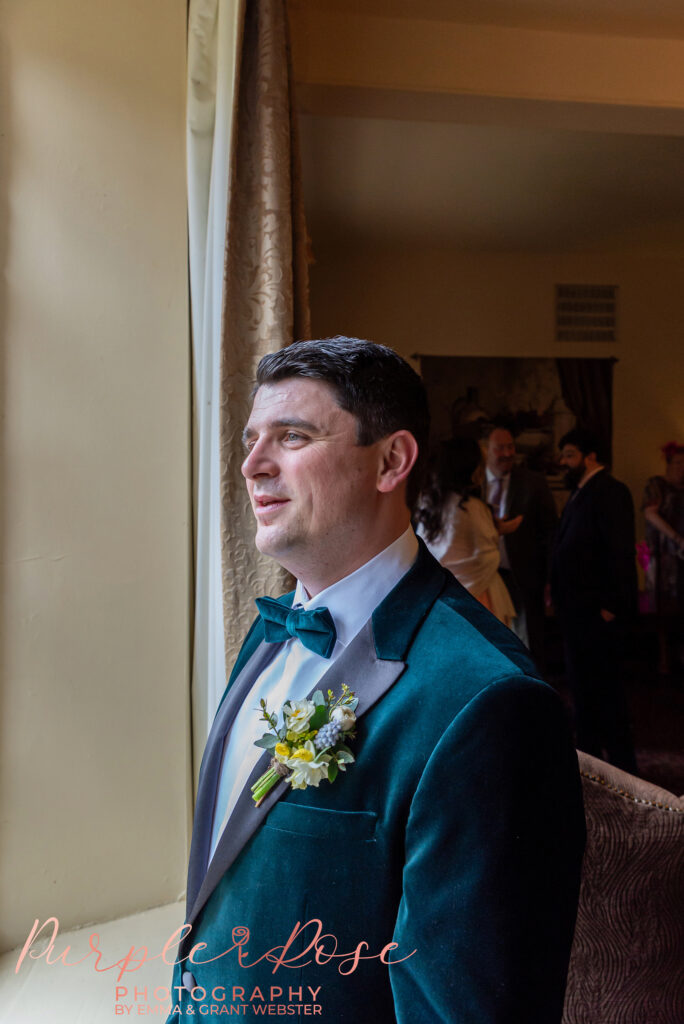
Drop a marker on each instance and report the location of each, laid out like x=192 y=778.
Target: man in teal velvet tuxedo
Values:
x=437 y=878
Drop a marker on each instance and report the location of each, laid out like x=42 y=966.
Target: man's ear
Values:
x=398 y=454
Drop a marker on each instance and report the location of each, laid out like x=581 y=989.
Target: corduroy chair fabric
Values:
x=627 y=958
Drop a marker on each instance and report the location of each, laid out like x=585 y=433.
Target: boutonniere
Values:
x=307 y=745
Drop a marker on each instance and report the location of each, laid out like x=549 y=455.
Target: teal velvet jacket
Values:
x=457 y=834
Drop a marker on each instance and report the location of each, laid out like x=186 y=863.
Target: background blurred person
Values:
x=459 y=528
x=514 y=490
x=594 y=587
x=663 y=507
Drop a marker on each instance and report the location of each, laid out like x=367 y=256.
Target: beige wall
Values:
x=440 y=302
x=374 y=60
x=95 y=467
x=348 y=58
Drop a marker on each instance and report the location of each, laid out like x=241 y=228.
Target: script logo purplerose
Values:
x=322 y=948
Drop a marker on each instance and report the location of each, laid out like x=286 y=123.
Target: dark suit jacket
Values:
x=594 y=562
x=458 y=831
x=529 y=547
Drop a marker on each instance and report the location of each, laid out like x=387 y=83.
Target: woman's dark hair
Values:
x=450 y=471
x=370 y=381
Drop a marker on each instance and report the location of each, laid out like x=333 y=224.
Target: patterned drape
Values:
x=587 y=386
x=265 y=300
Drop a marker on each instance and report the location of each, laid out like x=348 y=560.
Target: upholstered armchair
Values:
x=627 y=963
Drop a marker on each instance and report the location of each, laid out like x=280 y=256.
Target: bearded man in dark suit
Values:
x=443 y=865
x=594 y=587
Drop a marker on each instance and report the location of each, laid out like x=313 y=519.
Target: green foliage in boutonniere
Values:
x=307 y=745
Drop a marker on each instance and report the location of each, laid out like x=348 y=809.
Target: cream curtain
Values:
x=266 y=286
x=214 y=32
x=249 y=292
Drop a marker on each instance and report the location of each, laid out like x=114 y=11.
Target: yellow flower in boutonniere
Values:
x=304 y=753
x=282 y=751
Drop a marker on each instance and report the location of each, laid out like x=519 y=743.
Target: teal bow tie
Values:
x=315 y=627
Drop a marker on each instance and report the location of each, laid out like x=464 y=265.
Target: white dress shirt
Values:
x=295 y=670
x=500 y=509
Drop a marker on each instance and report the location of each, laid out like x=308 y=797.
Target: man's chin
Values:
x=271 y=542
x=265 y=545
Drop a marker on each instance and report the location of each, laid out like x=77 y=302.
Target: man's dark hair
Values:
x=501 y=423
x=370 y=381
x=585 y=440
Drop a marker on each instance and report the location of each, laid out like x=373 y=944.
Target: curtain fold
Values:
x=214 y=34
x=249 y=296
x=265 y=297
x=587 y=386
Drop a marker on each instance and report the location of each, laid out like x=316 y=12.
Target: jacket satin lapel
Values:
x=211 y=764
x=369 y=677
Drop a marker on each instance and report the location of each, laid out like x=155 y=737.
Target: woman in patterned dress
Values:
x=663 y=508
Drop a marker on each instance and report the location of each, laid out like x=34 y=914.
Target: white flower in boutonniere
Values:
x=298 y=714
x=345 y=717
x=307 y=768
x=306 y=746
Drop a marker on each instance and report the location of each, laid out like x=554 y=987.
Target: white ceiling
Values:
x=655 y=18
x=484 y=187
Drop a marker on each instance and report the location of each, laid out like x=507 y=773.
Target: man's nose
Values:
x=258 y=462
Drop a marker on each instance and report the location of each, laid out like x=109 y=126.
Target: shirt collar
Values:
x=491 y=477
x=353 y=599
x=588 y=478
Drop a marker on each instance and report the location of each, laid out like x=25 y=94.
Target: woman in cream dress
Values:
x=460 y=530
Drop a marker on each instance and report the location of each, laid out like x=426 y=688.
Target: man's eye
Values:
x=292 y=436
